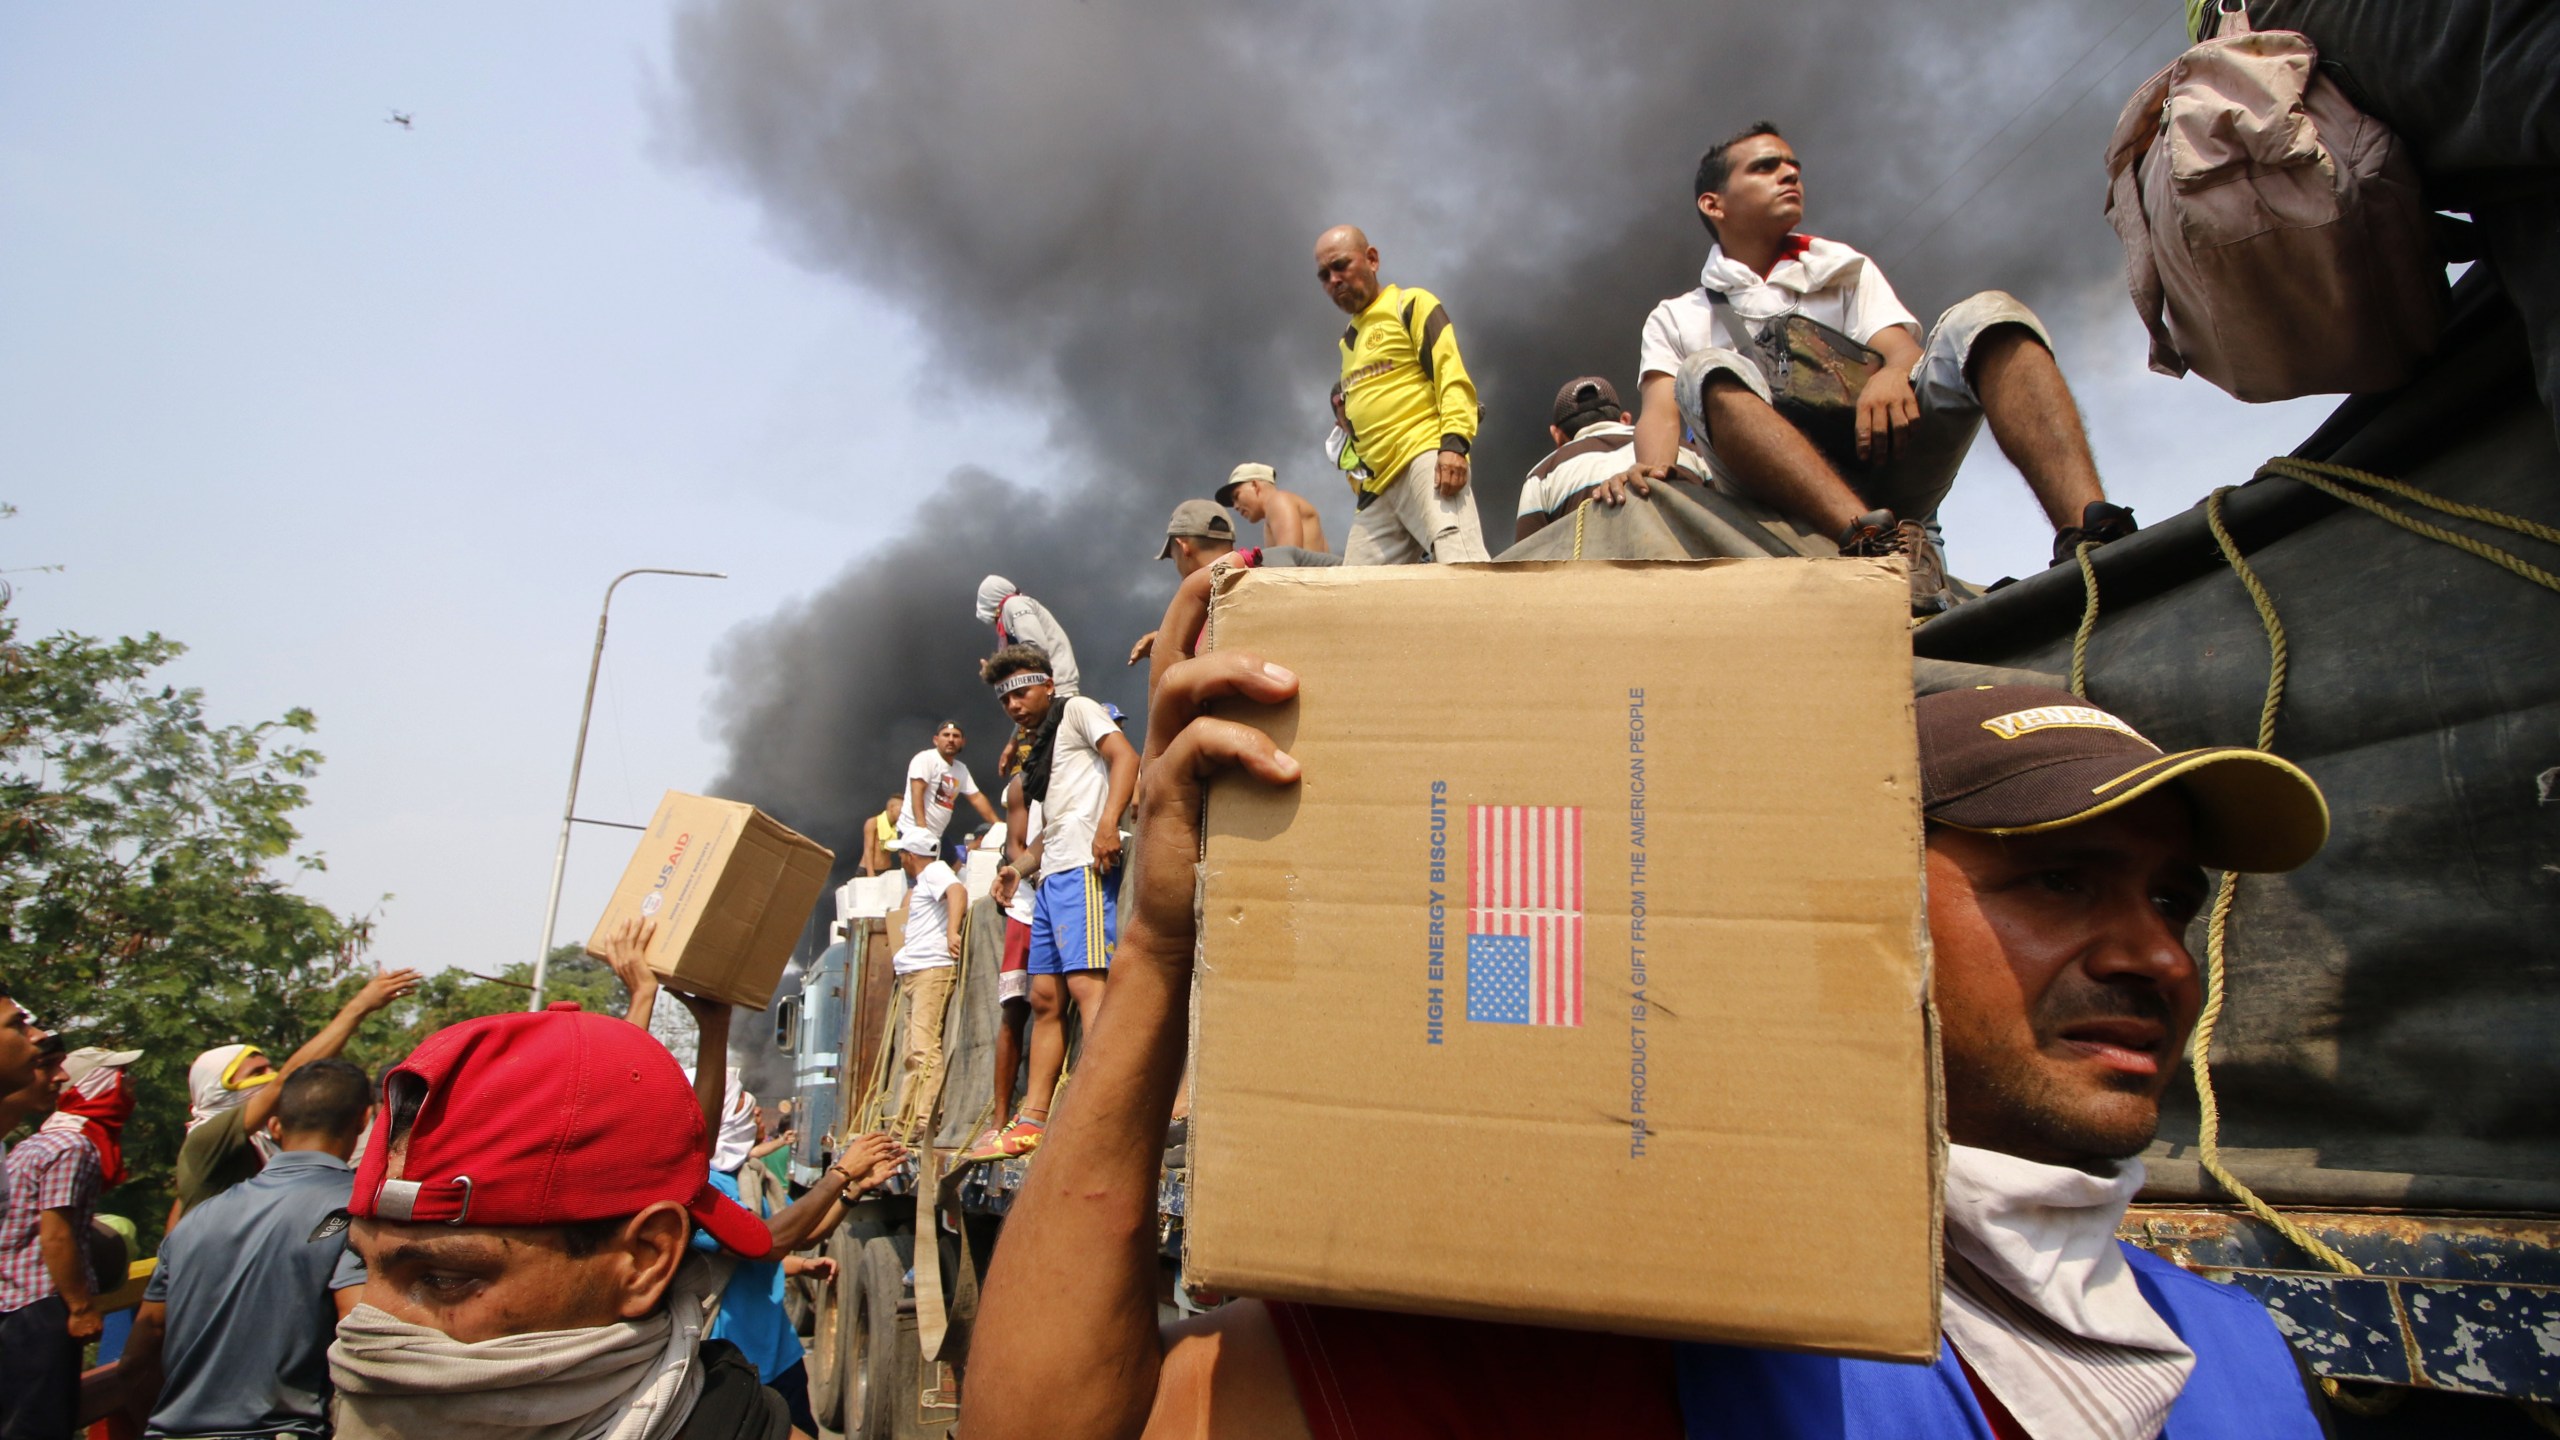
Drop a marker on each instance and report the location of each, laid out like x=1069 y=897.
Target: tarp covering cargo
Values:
x=2388 y=1033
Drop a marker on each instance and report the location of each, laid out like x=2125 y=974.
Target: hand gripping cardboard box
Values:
x=1583 y=981
x=730 y=888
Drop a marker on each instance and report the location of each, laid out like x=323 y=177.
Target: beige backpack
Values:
x=2275 y=237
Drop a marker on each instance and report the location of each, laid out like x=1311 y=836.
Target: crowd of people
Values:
x=536 y=1223
x=1791 y=380
x=543 y=1224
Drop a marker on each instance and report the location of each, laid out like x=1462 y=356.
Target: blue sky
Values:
x=368 y=416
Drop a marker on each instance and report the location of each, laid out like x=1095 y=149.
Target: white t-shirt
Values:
x=1541 y=494
x=1079 y=783
x=1826 y=282
x=928 y=942
x=945 y=781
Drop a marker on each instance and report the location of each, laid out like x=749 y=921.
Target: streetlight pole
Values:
x=577 y=762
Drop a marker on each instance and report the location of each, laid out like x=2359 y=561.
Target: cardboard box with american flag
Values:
x=1583 y=979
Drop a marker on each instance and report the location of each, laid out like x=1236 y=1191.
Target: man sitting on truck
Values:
x=1081 y=771
x=2064 y=859
x=1592 y=438
x=1763 y=364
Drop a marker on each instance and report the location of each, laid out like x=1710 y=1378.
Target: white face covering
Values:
x=737 y=1137
x=2043 y=1305
x=631 y=1380
x=992 y=592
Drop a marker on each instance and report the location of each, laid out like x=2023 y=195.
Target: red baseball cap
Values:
x=552 y=1118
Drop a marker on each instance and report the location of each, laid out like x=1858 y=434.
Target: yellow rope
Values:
x=2088 y=622
x=1579 y=511
x=2208 y=1113
x=2334 y=480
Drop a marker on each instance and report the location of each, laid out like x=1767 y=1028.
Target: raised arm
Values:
x=626 y=950
x=710 y=1059
x=377 y=993
x=868 y=1161
x=1067 y=1342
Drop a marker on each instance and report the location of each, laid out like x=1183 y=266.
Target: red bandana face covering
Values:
x=99 y=1105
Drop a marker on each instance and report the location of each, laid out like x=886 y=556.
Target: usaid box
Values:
x=730 y=888
x=1583 y=980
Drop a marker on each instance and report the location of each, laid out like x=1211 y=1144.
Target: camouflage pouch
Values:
x=1814 y=374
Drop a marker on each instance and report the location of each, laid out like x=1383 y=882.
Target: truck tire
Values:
x=879 y=1365
x=830 y=1305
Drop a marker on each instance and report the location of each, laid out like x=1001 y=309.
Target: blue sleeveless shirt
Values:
x=2245 y=1385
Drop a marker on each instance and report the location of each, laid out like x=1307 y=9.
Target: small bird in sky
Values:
x=399 y=118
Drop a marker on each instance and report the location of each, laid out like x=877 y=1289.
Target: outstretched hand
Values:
x=1146 y=645
x=869 y=1161
x=383 y=990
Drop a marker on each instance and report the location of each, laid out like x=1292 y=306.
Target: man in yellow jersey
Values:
x=1407 y=399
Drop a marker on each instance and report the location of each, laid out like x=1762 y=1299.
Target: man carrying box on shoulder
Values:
x=1407 y=396
x=2064 y=857
x=1081 y=772
x=1797 y=369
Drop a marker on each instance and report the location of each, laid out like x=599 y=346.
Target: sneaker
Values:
x=1019 y=1138
x=2100 y=522
x=987 y=1146
x=1877 y=533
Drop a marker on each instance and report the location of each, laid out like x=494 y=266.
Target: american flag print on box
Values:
x=1524 y=914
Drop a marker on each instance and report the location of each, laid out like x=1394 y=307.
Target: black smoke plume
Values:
x=1105 y=210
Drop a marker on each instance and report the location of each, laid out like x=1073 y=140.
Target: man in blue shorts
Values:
x=1081 y=771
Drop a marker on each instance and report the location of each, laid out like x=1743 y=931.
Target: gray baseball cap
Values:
x=1197 y=520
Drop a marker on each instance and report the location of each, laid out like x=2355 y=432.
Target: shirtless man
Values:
x=1286 y=518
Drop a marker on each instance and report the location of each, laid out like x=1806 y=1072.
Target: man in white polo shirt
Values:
x=1807 y=384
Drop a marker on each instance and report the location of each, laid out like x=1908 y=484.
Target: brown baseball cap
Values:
x=1196 y=520
x=1243 y=475
x=2018 y=759
x=1584 y=395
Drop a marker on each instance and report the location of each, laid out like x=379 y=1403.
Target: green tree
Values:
x=145 y=860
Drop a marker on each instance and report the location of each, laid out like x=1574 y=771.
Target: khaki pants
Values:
x=1411 y=521
x=928 y=995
